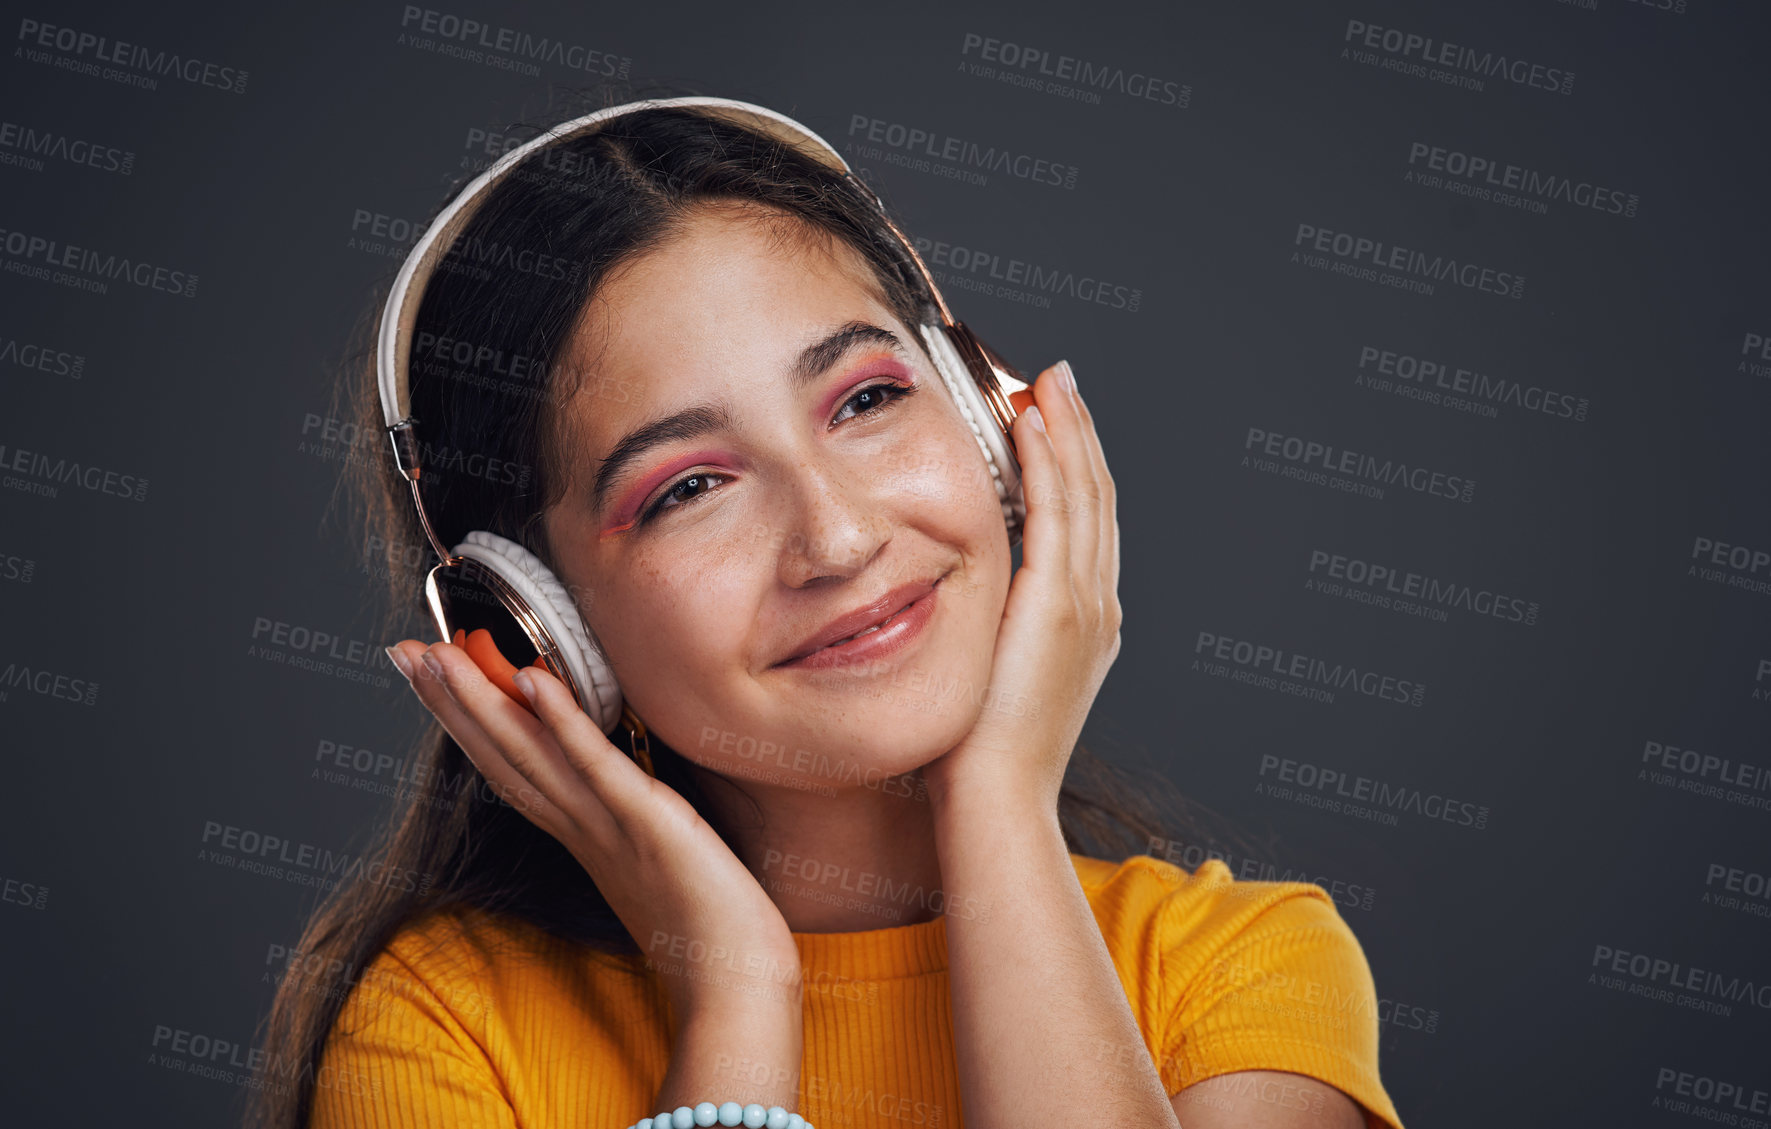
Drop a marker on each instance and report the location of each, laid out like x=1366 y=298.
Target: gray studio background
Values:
x=1583 y=772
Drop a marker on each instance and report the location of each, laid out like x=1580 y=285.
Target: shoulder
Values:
x=466 y=1018
x=452 y=966
x=1149 y=903
x=1227 y=975
x=410 y=1043
x=437 y=967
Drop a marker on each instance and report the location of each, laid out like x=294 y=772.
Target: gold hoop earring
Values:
x=639 y=744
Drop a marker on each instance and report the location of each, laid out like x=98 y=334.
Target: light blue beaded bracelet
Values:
x=752 y=1116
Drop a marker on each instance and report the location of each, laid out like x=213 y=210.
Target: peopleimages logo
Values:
x=1191 y=856
x=1734 y=1095
x=337 y=648
x=1756 y=347
x=558 y=168
x=1747 y=567
x=34 y=255
x=302 y=863
x=26 y=147
x=1459 y=388
x=969 y=156
x=1425 y=57
x=1671 y=981
x=46 y=684
x=1038 y=69
x=82 y=51
x=468 y=253
x=1350 y=470
x=42 y=358
x=1016 y=279
x=1392 y=582
x=1705 y=774
x=35 y=473
x=1484 y=178
x=328 y=437
x=24 y=569
x=513 y=50
x=1373 y=260
x=1261 y=659
x=1331 y=784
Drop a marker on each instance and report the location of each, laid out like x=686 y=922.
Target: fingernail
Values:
x=1035 y=418
x=525 y=684
x=1068 y=373
x=401 y=661
x=436 y=668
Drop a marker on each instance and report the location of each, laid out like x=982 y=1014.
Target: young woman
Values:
x=856 y=887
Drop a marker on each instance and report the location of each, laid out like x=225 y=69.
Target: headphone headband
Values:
x=400 y=314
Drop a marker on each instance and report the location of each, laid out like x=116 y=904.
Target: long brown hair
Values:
x=589 y=203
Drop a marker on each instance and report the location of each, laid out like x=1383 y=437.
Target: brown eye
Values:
x=680 y=494
x=878 y=397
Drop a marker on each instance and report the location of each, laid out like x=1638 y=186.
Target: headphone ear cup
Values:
x=550 y=601
x=962 y=385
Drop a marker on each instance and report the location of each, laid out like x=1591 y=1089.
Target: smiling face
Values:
x=822 y=468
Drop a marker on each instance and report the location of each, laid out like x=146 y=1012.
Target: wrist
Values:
x=985 y=835
x=704 y=998
x=719 y=1053
x=961 y=794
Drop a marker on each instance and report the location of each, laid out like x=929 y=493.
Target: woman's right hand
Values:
x=702 y=919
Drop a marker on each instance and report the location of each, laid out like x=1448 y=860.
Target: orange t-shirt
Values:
x=478 y=1020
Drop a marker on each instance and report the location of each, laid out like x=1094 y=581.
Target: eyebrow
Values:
x=691 y=423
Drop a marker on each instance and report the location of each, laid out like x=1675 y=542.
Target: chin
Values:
x=875 y=731
x=902 y=730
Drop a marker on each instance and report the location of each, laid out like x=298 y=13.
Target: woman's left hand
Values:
x=1060 y=625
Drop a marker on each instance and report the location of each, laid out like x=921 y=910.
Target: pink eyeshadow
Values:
x=627 y=513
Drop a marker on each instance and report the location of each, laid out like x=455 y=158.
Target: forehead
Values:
x=733 y=295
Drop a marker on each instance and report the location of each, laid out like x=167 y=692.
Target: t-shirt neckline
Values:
x=874 y=954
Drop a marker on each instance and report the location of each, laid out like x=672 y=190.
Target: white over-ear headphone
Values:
x=978 y=380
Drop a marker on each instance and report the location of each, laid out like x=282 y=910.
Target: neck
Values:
x=861 y=859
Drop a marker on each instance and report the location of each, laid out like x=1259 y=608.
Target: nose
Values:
x=833 y=528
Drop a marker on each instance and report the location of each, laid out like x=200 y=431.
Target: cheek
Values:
x=943 y=469
x=941 y=484
x=670 y=625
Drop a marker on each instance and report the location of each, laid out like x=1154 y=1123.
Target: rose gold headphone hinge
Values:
x=405 y=440
x=916 y=260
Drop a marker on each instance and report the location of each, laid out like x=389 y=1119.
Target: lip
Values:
x=908 y=607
